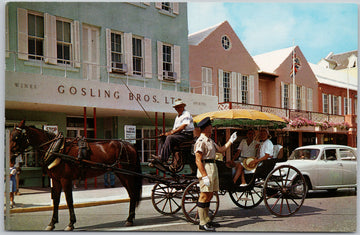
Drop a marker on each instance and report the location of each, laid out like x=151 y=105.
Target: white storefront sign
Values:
x=42 y=89
x=130 y=133
x=53 y=129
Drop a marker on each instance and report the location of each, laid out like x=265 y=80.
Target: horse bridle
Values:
x=21 y=139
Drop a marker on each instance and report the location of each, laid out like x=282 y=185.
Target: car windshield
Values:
x=308 y=154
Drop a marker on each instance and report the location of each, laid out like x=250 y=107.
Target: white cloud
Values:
x=203 y=15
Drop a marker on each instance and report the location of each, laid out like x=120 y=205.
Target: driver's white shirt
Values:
x=184 y=118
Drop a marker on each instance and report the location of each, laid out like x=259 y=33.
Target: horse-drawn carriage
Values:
x=283 y=195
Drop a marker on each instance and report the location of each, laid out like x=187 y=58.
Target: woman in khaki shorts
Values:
x=205 y=151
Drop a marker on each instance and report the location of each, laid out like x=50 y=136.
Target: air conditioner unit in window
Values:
x=117 y=67
x=170 y=76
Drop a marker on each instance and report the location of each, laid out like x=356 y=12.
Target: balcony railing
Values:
x=86 y=71
x=285 y=113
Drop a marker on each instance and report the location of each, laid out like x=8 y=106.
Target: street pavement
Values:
x=39 y=199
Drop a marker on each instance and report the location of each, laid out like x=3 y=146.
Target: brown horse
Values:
x=116 y=153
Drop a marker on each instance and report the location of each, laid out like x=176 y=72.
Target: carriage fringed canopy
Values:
x=242 y=117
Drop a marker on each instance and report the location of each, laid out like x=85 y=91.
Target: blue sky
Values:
x=317 y=28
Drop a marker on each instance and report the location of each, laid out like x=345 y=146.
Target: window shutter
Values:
x=7 y=46
x=158 y=5
x=239 y=87
x=22 y=21
x=160 y=60
x=148 y=58
x=203 y=80
x=221 y=86
x=282 y=95
x=176 y=8
x=330 y=106
x=303 y=98
x=75 y=33
x=350 y=106
x=233 y=85
x=339 y=99
x=251 y=89
x=177 y=65
x=50 y=51
x=309 y=99
x=291 y=96
x=128 y=53
x=108 y=50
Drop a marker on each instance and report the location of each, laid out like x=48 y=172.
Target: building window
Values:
x=147 y=146
x=335 y=105
x=225 y=42
x=137 y=49
x=226 y=86
x=206 y=81
x=325 y=103
x=75 y=127
x=167 y=58
x=244 y=89
x=63 y=38
x=35 y=36
x=286 y=104
x=298 y=97
x=166 y=6
x=116 y=50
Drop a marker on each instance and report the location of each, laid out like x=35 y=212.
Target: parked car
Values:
x=325 y=166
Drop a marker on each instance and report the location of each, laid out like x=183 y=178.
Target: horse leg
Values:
x=55 y=195
x=67 y=185
x=127 y=182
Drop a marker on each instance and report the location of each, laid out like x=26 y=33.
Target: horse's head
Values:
x=18 y=139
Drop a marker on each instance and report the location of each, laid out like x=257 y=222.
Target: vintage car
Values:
x=325 y=166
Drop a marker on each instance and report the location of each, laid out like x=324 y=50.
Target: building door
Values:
x=91 y=52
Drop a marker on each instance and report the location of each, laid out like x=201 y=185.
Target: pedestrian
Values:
x=12 y=182
x=247 y=148
x=110 y=175
x=182 y=131
x=18 y=165
x=205 y=152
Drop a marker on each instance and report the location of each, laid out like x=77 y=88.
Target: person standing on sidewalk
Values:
x=12 y=182
x=205 y=152
x=110 y=175
x=18 y=165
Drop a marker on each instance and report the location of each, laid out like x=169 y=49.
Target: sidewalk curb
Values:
x=77 y=205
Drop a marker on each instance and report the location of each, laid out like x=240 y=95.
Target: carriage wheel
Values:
x=249 y=198
x=284 y=191
x=189 y=203
x=166 y=199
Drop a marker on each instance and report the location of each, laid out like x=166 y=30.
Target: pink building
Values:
x=220 y=65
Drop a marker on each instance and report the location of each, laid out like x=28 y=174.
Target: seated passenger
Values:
x=247 y=148
x=266 y=153
x=182 y=131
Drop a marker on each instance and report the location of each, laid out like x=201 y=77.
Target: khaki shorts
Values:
x=212 y=172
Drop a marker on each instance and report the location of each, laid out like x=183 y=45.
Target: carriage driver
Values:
x=182 y=131
x=205 y=151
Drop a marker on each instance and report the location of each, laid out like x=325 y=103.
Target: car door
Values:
x=329 y=169
x=348 y=161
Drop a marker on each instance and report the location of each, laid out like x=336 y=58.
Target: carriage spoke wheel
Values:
x=249 y=197
x=189 y=203
x=166 y=199
x=284 y=191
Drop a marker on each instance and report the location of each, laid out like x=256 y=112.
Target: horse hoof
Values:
x=69 y=228
x=49 y=228
x=128 y=223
